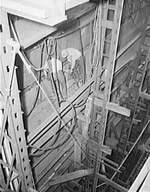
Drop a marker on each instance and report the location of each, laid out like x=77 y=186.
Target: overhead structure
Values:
x=48 y=12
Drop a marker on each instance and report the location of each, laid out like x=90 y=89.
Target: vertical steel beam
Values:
x=11 y=96
x=111 y=13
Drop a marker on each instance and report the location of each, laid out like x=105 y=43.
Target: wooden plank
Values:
x=112 y=183
x=70 y=176
x=145 y=95
x=113 y=107
x=118 y=109
x=109 y=161
x=60 y=169
x=111 y=167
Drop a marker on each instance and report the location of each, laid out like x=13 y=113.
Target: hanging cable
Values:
x=57 y=132
x=28 y=65
x=38 y=91
x=66 y=127
x=56 y=135
x=51 y=52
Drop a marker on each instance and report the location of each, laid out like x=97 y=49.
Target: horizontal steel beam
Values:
x=112 y=183
x=70 y=176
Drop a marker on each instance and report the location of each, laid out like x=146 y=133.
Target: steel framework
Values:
x=15 y=164
x=16 y=170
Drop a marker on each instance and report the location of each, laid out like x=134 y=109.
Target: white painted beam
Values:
x=145 y=95
x=25 y=8
x=118 y=109
x=141 y=176
x=113 y=107
x=146 y=185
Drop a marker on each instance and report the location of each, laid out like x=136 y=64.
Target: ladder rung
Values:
x=105 y=55
x=141 y=108
x=136 y=120
x=107 y=40
x=107 y=24
x=113 y=7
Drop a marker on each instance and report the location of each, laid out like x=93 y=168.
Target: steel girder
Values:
x=15 y=164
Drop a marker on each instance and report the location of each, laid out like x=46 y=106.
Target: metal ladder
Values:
x=111 y=13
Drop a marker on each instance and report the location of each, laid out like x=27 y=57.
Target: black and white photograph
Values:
x=74 y=95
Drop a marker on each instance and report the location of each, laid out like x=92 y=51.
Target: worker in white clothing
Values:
x=71 y=68
x=71 y=54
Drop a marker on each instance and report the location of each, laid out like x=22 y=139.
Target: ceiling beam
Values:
x=49 y=13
